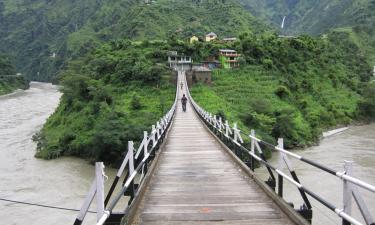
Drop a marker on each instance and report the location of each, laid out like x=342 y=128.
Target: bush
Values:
x=282 y=92
x=367 y=105
x=136 y=102
x=109 y=140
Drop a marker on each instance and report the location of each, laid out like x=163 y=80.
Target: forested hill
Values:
x=42 y=35
x=314 y=16
x=354 y=19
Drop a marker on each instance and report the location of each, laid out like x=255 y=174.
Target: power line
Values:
x=40 y=205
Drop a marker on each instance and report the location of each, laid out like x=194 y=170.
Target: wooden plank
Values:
x=227 y=222
x=204 y=199
x=219 y=216
x=210 y=208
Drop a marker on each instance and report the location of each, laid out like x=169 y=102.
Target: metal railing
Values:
x=135 y=164
x=232 y=137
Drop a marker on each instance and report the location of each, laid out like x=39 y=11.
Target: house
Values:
x=211 y=63
x=229 y=58
x=198 y=74
x=194 y=39
x=211 y=36
x=179 y=62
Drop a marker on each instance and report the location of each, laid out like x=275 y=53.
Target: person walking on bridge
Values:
x=182 y=85
x=184 y=101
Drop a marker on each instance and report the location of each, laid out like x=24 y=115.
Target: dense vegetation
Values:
x=313 y=16
x=43 y=35
x=290 y=88
x=316 y=17
x=8 y=79
x=110 y=97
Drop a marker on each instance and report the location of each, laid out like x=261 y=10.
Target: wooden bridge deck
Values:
x=196 y=182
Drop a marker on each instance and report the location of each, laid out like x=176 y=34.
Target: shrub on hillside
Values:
x=135 y=102
x=367 y=105
x=282 y=92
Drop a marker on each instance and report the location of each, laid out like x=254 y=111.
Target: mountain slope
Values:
x=8 y=80
x=313 y=16
x=337 y=18
x=42 y=35
x=291 y=87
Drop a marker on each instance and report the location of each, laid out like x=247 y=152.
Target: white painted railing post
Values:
x=153 y=133
x=145 y=142
x=280 y=144
x=86 y=204
x=228 y=131
x=158 y=127
x=131 y=156
x=237 y=135
x=347 y=191
x=131 y=166
x=283 y=157
x=165 y=122
x=252 y=133
x=99 y=174
x=96 y=189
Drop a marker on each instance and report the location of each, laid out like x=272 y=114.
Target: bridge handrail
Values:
x=218 y=126
x=166 y=121
x=339 y=174
x=156 y=137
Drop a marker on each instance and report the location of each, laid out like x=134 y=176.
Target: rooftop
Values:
x=211 y=34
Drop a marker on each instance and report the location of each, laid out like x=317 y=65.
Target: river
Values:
x=356 y=144
x=63 y=182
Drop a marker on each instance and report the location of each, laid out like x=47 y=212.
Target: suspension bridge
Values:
x=193 y=168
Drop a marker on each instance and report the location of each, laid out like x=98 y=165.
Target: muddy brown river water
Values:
x=64 y=182
x=356 y=144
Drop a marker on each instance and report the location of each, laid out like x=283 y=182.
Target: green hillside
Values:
x=111 y=96
x=313 y=16
x=316 y=17
x=43 y=35
x=9 y=81
x=291 y=88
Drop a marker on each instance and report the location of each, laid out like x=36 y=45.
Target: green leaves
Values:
x=110 y=97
